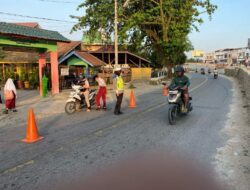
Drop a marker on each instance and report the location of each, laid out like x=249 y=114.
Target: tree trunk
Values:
x=164 y=61
x=170 y=74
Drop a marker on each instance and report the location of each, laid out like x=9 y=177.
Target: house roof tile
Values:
x=28 y=32
x=65 y=48
x=28 y=24
x=91 y=59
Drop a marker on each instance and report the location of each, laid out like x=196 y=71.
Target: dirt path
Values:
x=233 y=160
x=54 y=105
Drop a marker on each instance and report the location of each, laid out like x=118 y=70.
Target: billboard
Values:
x=197 y=53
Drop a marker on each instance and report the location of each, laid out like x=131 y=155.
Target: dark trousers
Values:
x=0 y=99
x=118 y=103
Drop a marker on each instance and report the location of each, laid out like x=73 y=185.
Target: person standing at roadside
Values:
x=10 y=95
x=102 y=90
x=86 y=92
x=119 y=90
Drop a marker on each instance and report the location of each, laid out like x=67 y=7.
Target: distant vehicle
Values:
x=202 y=71
x=216 y=74
x=209 y=71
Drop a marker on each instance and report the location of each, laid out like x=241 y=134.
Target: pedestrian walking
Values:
x=10 y=95
x=102 y=90
x=119 y=90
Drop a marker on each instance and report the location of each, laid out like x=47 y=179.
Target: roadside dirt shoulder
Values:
x=233 y=160
x=53 y=106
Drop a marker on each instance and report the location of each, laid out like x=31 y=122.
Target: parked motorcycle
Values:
x=76 y=100
x=176 y=105
x=216 y=74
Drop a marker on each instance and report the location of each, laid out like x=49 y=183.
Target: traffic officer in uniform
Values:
x=119 y=90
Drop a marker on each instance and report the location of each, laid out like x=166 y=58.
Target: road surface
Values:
x=79 y=144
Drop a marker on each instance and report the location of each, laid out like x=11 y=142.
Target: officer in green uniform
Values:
x=119 y=90
x=183 y=82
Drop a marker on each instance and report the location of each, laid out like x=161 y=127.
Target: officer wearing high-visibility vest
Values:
x=119 y=90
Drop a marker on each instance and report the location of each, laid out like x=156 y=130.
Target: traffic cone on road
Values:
x=32 y=131
x=165 y=91
x=132 y=103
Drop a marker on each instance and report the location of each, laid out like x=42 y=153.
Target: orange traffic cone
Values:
x=31 y=131
x=132 y=103
x=165 y=91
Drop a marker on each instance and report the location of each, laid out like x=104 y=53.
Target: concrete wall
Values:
x=141 y=73
x=243 y=76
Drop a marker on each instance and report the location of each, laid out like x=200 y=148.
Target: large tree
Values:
x=158 y=27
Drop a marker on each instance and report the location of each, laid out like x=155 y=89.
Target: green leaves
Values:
x=157 y=27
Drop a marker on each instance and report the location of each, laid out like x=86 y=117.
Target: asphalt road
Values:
x=78 y=145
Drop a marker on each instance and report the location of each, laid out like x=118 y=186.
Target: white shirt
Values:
x=101 y=82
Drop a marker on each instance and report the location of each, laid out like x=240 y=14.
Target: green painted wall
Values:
x=40 y=45
x=76 y=62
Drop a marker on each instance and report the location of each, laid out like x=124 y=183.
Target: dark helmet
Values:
x=179 y=69
x=95 y=76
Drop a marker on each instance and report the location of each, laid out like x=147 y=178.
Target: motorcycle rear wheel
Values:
x=92 y=101
x=172 y=115
x=70 y=108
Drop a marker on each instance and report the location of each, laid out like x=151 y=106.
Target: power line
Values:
x=49 y=23
x=40 y=18
x=4 y=19
x=55 y=1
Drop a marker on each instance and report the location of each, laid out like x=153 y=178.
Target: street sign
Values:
x=197 y=53
x=64 y=71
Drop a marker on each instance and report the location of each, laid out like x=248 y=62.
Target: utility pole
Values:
x=116 y=34
x=116 y=30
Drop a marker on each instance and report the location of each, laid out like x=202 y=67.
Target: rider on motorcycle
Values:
x=85 y=90
x=182 y=82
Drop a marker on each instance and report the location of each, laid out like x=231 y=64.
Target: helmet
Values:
x=179 y=69
x=117 y=69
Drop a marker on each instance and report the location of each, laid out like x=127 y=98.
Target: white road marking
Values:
x=199 y=85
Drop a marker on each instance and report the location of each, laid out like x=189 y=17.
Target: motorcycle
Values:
x=209 y=71
x=176 y=104
x=215 y=74
x=76 y=100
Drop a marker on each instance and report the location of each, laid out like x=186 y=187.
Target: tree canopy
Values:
x=158 y=28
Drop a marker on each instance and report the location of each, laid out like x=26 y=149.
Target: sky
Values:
x=229 y=27
x=46 y=9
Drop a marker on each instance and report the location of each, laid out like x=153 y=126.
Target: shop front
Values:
x=23 y=39
x=77 y=64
